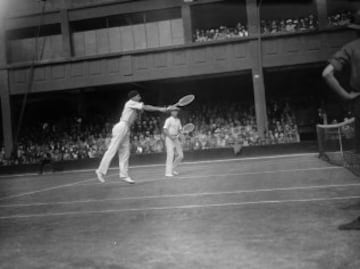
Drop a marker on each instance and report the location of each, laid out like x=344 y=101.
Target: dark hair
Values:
x=133 y=93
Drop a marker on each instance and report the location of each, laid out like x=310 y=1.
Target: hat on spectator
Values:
x=356 y=23
x=133 y=93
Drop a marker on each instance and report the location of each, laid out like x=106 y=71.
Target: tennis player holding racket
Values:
x=120 y=141
x=172 y=131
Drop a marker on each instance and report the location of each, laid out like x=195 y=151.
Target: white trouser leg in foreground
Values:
x=120 y=136
x=171 y=164
x=124 y=154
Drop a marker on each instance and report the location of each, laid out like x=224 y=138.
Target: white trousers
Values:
x=171 y=146
x=120 y=142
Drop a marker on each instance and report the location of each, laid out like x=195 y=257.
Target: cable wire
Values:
x=30 y=81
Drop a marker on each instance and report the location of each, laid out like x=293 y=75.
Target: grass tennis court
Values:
x=271 y=212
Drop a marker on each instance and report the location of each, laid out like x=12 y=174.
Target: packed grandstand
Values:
x=276 y=26
x=217 y=126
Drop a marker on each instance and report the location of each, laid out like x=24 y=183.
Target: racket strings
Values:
x=186 y=100
x=188 y=128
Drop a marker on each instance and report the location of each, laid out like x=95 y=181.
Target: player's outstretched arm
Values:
x=156 y=108
x=331 y=80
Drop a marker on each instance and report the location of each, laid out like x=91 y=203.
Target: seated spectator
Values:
x=275 y=26
x=289 y=25
x=221 y=33
x=340 y=19
x=217 y=126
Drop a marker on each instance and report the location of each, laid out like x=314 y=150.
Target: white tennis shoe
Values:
x=169 y=175
x=128 y=180
x=175 y=173
x=100 y=176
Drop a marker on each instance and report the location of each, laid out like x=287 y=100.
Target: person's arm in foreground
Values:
x=331 y=80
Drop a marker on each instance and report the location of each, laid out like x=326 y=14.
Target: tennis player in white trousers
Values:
x=120 y=141
x=172 y=130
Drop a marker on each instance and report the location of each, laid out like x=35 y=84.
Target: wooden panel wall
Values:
x=101 y=41
x=139 y=32
x=152 y=35
x=115 y=44
x=183 y=62
x=177 y=32
x=128 y=38
x=191 y=61
x=22 y=50
x=301 y=49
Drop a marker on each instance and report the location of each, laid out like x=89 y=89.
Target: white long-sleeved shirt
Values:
x=173 y=125
x=130 y=111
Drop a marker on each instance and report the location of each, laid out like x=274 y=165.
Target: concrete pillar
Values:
x=6 y=113
x=259 y=100
x=187 y=22
x=65 y=31
x=253 y=17
x=322 y=12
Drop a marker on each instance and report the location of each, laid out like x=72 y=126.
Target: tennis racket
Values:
x=186 y=100
x=188 y=128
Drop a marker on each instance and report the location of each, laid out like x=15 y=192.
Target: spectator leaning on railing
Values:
x=221 y=33
x=289 y=25
x=275 y=26
x=340 y=19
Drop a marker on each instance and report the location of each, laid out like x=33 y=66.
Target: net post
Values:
x=336 y=145
x=341 y=146
x=320 y=146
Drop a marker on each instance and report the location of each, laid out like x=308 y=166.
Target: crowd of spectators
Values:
x=289 y=25
x=216 y=127
x=69 y=139
x=342 y=18
x=221 y=33
x=276 y=26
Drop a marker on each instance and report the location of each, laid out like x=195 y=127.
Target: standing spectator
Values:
x=46 y=160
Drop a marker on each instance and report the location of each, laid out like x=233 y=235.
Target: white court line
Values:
x=220 y=175
x=45 y=189
x=184 y=195
x=184 y=163
x=196 y=206
x=81 y=183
